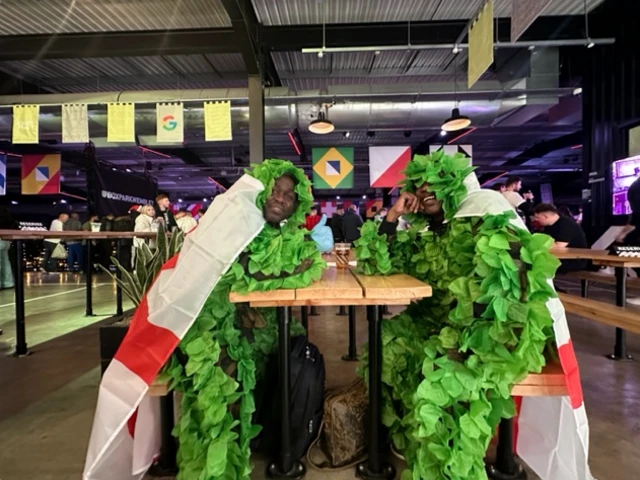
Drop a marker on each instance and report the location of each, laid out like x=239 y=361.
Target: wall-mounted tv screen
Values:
x=625 y=172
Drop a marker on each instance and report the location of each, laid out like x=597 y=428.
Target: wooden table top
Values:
x=599 y=257
x=41 y=235
x=343 y=287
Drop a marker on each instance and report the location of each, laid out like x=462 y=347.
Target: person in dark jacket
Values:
x=351 y=224
x=164 y=213
x=124 y=223
x=74 y=247
x=337 y=221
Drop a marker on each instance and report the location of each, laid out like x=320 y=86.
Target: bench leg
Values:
x=620 y=348
x=304 y=318
x=342 y=312
x=286 y=466
x=506 y=467
x=166 y=464
x=584 y=288
x=352 y=356
x=374 y=468
x=314 y=312
x=21 y=333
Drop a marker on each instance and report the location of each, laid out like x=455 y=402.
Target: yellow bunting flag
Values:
x=481 y=44
x=25 y=123
x=75 y=124
x=217 y=121
x=121 y=122
x=634 y=141
x=169 y=123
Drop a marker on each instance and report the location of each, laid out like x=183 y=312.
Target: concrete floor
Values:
x=48 y=398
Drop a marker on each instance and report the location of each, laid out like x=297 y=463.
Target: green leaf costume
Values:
x=450 y=361
x=218 y=361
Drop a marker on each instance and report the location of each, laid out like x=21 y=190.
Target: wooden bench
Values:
x=620 y=317
x=597 y=277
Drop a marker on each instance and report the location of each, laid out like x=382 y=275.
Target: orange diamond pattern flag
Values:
x=40 y=174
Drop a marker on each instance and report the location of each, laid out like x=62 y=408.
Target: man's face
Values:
x=545 y=219
x=314 y=212
x=282 y=202
x=340 y=211
x=429 y=204
x=164 y=203
x=517 y=187
x=64 y=217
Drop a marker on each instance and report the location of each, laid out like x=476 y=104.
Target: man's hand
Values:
x=160 y=220
x=528 y=196
x=406 y=203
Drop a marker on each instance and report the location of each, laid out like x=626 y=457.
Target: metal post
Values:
x=304 y=314
x=256 y=119
x=342 y=312
x=506 y=467
x=168 y=448
x=374 y=467
x=286 y=466
x=620 y=348
x=89 y=280
x=352 y=356
x=21 y=334
x=119 y=310
x=584 y=288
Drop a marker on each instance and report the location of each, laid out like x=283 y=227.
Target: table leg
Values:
x=21 y=334
x=304 y=314
x=314 y=312
x=352 y=356
x=620 y=348
x=506 y=466
x=342 y=312
x=166 y=464
x=89 y=280
x=584 y=288
x=374 y=468
x=285 y=466
x=119 y=310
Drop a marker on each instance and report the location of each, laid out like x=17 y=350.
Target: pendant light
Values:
x=321 y=125
x=456 y=121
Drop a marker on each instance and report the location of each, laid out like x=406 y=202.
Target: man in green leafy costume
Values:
x=450 y=361
x=221 y=357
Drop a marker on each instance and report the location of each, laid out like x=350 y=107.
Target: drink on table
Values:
x=341 y=252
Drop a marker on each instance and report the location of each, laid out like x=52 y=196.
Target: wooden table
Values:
x=20 y=236
x=621 y=265
x=336 y=288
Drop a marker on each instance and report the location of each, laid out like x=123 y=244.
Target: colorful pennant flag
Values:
x=40 y=174
x=25 y=123
x=121 y=122
x=75 y=124
x=332 y=168
x=466 y=150
x=386 y=165
x=217 y=121
x=481 y=44
x=170 y=122
x=523 y=14
x=3 y=174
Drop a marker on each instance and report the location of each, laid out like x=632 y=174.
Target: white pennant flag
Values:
x=75 y=124
x=169 y=123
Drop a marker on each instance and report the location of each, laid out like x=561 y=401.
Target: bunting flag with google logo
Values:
x=169 y=122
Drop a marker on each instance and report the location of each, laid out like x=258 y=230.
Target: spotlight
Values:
x=179 y=200
x=577 y=91
x=407 y=133
x=129 y=170
x=320 y=54
x=364 y=197
x=531 y=48
x=346 y=134
x=442 y=133
x=371 y=134
x=204 y=199
x=590 y=44
x=321 y=125
x=456 y=50
x=338 y=197
x=14 y=202
x=377 y=52
x=63 y=201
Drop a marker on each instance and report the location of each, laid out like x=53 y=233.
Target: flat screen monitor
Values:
x=625 y=172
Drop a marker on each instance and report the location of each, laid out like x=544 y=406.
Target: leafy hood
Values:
x=268 y=172
x=445 y=175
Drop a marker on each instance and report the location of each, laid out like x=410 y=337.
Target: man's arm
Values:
x=560 y=244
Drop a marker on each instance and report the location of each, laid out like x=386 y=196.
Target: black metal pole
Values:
x=168 y=448
x=21 y=333
x=286 y=466
x=342 y=312
x=584 y=288
x=373 y=467
x=119 y=310
x=620 y=348
x=506 y=467
x=314 y=312
x=352 y=356
x=89 y=280
x=304 y=314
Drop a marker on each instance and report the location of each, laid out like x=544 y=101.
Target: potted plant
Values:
x=135 y=284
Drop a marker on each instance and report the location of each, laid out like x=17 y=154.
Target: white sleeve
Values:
x=514 y=198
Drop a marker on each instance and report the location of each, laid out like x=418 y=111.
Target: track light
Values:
x=456 y=50
x=321 y=125
x=320 y=54
x=456 y=121
x=590 y=44
x=407 y=133
x=442 y=133
x=346 y=134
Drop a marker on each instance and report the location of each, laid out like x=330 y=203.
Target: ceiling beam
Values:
x=245 y=23
x=10 y=85
x=270 y=38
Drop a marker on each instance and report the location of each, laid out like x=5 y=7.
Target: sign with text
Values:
x=113 y=191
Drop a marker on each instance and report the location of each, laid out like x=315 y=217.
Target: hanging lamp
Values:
x=456 y=121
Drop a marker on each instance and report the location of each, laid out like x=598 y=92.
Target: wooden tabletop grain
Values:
x=599 y=257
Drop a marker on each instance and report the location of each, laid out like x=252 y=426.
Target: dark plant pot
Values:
x=111 y=337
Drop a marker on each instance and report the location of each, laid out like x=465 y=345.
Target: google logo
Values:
x=169 y=123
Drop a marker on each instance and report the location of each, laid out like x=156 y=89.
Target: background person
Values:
x=337 y=221
x=565 y=232
x=498 y=187
x=6 y=267
x=185 y=221
x=351 y=224
x=312 y=219
x=74 y=247
x=521 y=203
x=164 y=213
x=50 y=265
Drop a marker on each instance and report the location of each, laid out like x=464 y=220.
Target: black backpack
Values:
x=307 y=400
